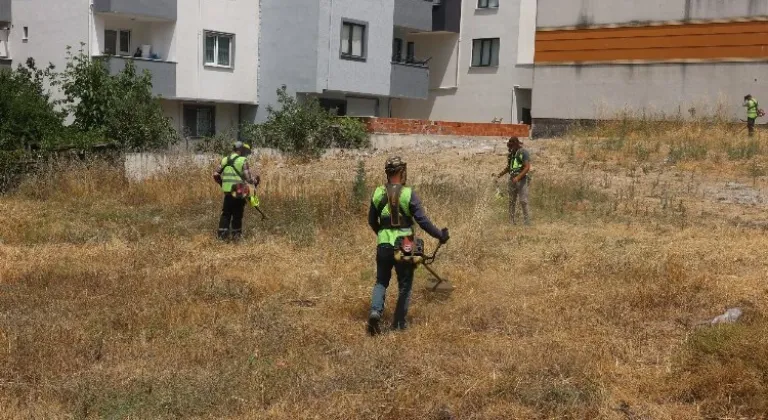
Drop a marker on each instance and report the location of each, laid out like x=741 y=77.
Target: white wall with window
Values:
x=355 y=46
x=481 y=75
x=217 y=50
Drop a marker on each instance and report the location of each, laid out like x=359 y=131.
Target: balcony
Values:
x=414 y=14
x=446 y=16
x=163 y=10
x=409 y=81
x=5 y=12
x=163 y=72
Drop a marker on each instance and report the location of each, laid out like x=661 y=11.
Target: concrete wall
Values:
x=163 y=73
x=369 y=77
x=160 y=9
x=568 y=13
x=409 y=81
x=287 y=60
x=195 y=80
x=586 y=92
x=53 y=25
x=413 y=14
x=481 y=94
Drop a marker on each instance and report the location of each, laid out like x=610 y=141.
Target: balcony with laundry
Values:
x=148 y=44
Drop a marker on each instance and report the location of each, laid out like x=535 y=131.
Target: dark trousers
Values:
x=751 y=126
x=231 y=221
x=385 y=262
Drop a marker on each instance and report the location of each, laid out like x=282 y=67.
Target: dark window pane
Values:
x=125 y=42
x=397 y=50
x=410 y=55
x=210 y=49
x=110 y=42
x=224 y=46
x=476 y=51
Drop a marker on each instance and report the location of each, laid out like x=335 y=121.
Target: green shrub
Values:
x=303 y=128
x=28 y=115
x=122 y=107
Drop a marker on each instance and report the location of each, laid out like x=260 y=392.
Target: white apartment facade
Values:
x=350 y=54
x=481 y=62
x=203 y=55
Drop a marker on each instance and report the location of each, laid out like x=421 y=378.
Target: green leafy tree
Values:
x=303 y=128
x=121 y=107
x=28 y=115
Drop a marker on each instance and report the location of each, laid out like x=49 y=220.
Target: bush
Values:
x=29 y=118
x=303 y=128
x=122 y=107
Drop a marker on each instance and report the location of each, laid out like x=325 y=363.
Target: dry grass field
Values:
x=116 y=301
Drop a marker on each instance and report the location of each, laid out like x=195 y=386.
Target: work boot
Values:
x=399 y=326
x=223 y=234
x=373 y=323
x=237 y=235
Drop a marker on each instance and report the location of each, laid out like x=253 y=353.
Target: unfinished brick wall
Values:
x=444 y=128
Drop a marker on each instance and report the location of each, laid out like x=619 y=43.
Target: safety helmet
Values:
x=514 y=141
x=394 y=165
x=245 y=147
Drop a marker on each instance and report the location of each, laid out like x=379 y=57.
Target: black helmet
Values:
x=394 y=165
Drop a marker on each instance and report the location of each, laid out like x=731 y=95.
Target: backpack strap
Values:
x=231 y=164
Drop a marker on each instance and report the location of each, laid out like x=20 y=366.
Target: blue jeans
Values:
x=385 y=262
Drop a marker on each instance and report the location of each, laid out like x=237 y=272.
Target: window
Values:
x=218 y=49
x=485 y=52
x=397 y=50
x=117 y=42
x=199 y=121
x=410 y=55
x=487 y=4
x=26 y=34
x=353 y=40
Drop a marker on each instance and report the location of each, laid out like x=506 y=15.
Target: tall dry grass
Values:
x=116 y=301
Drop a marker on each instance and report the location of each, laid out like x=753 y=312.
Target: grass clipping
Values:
x=116 y=301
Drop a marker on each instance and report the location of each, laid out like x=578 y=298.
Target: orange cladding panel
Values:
x=711 y=41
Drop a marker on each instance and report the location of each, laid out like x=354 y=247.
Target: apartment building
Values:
x=481 y=62
x=350 y=54
x=5 y=31
x=203 y=55
x=595 y=58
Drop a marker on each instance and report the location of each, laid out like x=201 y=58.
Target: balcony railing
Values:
x=155 y=9
x=5 y=11
x=409 y=80
x=414 y=14
x=163 y=72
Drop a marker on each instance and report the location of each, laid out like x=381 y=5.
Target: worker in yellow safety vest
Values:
x=518 y=168
x=394 y=209
x=234 y=175
x=752 y=113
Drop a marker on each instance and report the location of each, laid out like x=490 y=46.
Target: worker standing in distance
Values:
x=233 y=176
x=394 y=208
x=752 y=109
x=518 y=167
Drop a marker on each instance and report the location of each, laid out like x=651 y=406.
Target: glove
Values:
x=444 y=239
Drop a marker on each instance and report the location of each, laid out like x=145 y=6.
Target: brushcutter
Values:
x=411 y=251
x=249 y=193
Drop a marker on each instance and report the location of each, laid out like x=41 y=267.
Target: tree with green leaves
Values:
x=303 y=128
x=121 y=107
